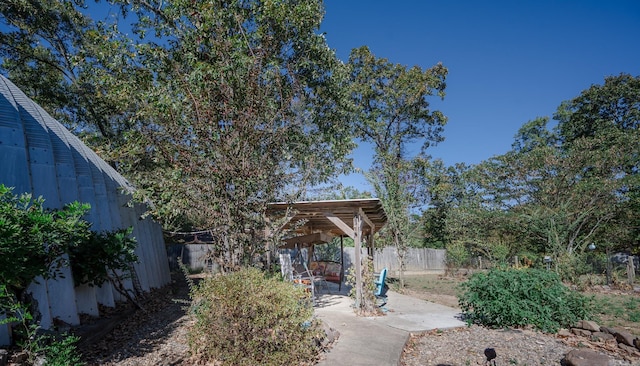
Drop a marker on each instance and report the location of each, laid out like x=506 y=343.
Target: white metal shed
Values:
x=40 y=156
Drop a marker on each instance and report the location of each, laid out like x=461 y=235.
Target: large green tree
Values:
x=605 y=119
x=71 y=65
x=247 y=102
x=215 y=109
x=393 y=114
x=446 y=191
x=601 y=109
x=461 y=217
x=560 y=189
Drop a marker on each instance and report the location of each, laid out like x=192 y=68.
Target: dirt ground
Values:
x=465 y=346
x=158 y=335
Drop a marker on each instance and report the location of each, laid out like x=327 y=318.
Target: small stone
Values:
x=585 y=357
x=4 y=357
x=40 y=361
x=601 y=336
x=581 y=332
x=590 y=325
x=611 y=342
x=564 y=333
x=611 y=331
x=630 y=350
x=330 y=335
x=625 y=338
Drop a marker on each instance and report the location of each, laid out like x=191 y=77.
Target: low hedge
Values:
x=517 y=298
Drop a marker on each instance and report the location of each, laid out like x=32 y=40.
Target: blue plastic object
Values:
x=380 y=286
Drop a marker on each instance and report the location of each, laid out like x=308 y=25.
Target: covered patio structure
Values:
x=313 y=222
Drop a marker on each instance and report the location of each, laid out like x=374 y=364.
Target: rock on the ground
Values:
x=625 y=338
x=601 y=336
x=4 y=357
x=581 y=332
x=585 y=357
x=630 y=350
x=588 y=325
x=330 y=336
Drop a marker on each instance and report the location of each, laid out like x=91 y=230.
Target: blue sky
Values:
x=509 y=61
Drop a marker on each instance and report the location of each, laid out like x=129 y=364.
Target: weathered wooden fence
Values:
x=416 y=259
x=194 y=256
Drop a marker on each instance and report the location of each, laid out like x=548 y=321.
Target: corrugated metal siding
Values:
x=39 y=155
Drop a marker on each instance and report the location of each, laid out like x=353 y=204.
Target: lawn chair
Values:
x=299 y=277
x=318 y=272
x=381 y=288
x=303 y=277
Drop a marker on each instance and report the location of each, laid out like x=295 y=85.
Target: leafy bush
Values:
x=25 y=227
x=102 y=256
x=571 y=267
x=63 y=352
x=516 y=298
x=247 y=318
x=57 y=351
x=457 y=256
x=36 y=241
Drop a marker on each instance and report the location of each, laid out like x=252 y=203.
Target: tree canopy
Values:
x=559 y=189
x=392 y=112
x=213 y=110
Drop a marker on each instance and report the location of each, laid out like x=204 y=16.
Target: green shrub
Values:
x=63 y=352
x=571 y=267
x=36 y=241
x=516 y=298
x=247 y=318
x=25 y=226
x=457 y=256
x=57 y=350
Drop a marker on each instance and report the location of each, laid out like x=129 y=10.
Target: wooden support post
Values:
x=341 y=262
x=357 y=241
x=631 y=270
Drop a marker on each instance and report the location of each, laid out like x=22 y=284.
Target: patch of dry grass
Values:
x=430 y=283
x=619 y=310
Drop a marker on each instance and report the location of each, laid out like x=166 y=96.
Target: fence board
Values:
x=417 y=259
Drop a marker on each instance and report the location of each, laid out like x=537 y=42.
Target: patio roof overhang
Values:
x=331 y=217
x=308 y=240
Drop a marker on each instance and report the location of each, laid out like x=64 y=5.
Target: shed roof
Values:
x=316 y=216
